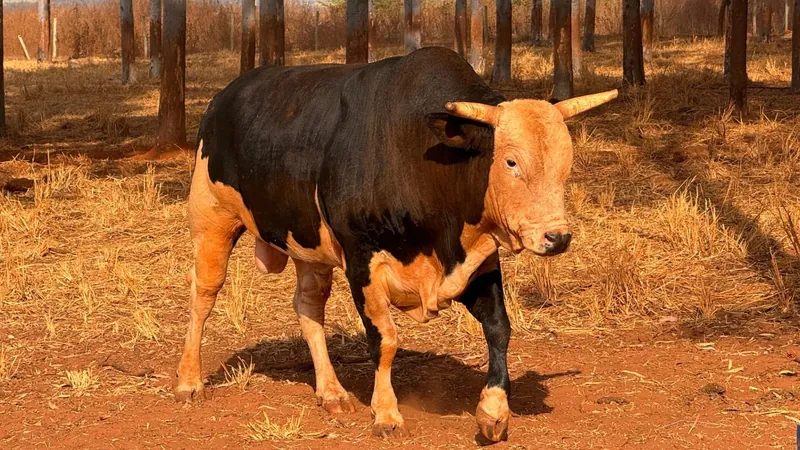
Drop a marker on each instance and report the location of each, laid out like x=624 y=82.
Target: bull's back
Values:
x=264 y=136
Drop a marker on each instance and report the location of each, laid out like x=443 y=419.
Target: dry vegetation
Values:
x=686 y=225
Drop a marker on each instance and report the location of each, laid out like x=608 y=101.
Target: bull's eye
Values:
x=511 y=163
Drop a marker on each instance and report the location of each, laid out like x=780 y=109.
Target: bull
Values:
x=408 y=173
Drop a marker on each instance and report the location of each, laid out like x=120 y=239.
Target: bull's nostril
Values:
x=553 y=238
x=567 y=238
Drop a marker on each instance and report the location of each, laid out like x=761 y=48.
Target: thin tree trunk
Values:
x=562 y=49
x=3 y=130
x=726 y=15
x=536 y=22
x=126 y=32
x=764 y=13
x=575 y=35
x=796 y=48
x=155 y=38
x=588 y=26
x=372 y=35
x=460 y=44
x=647 y=28
x=357 y=31
x=171 y=106
x=476 y=35
x=43 y=53
x=723 y=10
x=267 y=36
x=247 y=58
x=280 y=33
x=738 y=78
x=632 y=53
x=413 y=22
x=502 y=47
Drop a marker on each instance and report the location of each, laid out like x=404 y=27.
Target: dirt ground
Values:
x=670 y=323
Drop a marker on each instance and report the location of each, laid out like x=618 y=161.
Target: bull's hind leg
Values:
x=214 y=233
x=484 y=299
x=312 y=292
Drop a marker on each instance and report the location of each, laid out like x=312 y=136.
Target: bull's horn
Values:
x=475 y=111
x=574 y=106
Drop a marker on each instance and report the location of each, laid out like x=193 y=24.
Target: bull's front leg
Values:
x=372 y=301
x=484 y=299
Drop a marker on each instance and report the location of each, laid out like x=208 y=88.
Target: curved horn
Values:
x=475 y=111
x=574 y=106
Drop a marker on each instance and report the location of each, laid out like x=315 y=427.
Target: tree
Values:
x=372 y=41
x=796 y=48
x=647 y=28
x=738 y=78
x=632 y=53
x=43 y=53
x=248 y=54
x=126 y=32
x=2 y=79
x=357 y=31
x=461 y=35
x=723 y=10
x=764 y=14
x=536 y=22
x=268 y=21
x=562 y=49
x=726 y=64
x=588 y=26
x=155 y=38
x=575 y=35
x=476 y=35
x=502 y=47
x=412 y=30
x=280 y=33
x=171 y=106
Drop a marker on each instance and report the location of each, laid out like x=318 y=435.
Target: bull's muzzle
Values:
x=556 y=242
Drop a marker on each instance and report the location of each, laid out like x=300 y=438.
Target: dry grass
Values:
x=9 y=364
x=239 y=375
x=81 y=381
x=264 y=429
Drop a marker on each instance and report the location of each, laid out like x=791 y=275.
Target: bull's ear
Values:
x=454 y=131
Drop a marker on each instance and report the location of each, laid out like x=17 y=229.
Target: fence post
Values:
x=24 y=48
x=485 y=24
x=316 y=31
x=145 y=44
x=233 y=32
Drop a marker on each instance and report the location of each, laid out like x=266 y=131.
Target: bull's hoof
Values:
x=494 y=432
x=390 y=430
x=191 y=392
x=337 y=405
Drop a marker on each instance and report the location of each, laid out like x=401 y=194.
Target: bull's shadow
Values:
x=435 y=383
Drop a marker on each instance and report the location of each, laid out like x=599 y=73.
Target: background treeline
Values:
x=92 y=28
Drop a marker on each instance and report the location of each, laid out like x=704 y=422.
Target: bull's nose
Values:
x=556 y=242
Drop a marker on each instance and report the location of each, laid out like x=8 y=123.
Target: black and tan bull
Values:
x=408 y=174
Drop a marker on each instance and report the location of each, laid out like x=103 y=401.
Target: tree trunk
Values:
x=3 y=130
x=280 y=34
x=247 y=58
x=764 y=12
x=43 y=53
x=460 y=44
x=632 y=57
x=738 y=78
x=726 y=15
x=155 y=38
x=126 y=32
x=575 y=35
x=413 y=22
x=588 y=26
x=562 y=49
x=502 y=43
x=723 y=9
x=796 y=48
x=536 y=22
x=647 y=28
x=267 y=36
x=476 y=35
x=171 y=106
x=372 y=36
x=357 y=31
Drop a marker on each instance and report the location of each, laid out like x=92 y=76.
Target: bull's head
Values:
x=532 y=160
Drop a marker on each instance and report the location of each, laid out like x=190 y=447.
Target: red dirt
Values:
x=651 y=386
